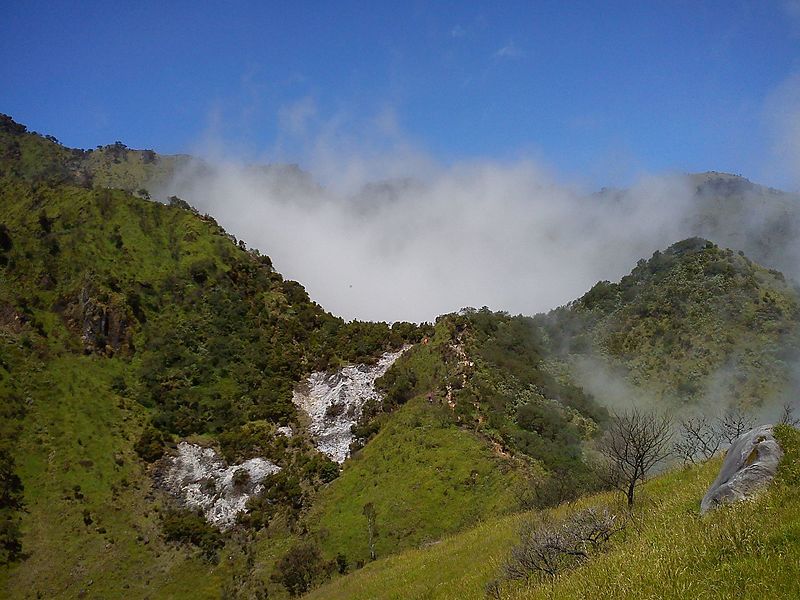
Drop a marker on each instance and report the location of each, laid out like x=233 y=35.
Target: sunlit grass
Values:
x=749 y=550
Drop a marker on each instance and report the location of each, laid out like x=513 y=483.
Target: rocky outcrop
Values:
x=749 y=466
x=201 y=480
x=334 y=401
x=102 y=319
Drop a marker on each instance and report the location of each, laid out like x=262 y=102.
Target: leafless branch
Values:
x=554 y=547
x=699 y=439
x=635 y=442
x=788 y=417
x=734 y=423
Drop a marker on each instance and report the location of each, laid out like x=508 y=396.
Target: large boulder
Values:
x=750 y=465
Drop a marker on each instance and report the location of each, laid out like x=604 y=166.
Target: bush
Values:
x=241 y=477
x=187 y=527
x=10 y=483
x=150 y=446
x=322 y=468
x=10 y=540
x=552 y=548
x=300 y=568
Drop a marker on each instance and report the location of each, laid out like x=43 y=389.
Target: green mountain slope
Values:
x=667 y=551
x=124 y=323
x=691 y=322
x=128 y=325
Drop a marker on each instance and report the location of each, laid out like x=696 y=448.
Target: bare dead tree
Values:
x=635 y=442
x=699 y=439
x=550 y=548
x=788 y=417
x=734 y=423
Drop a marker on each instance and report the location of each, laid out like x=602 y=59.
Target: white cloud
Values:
x=510 y=50
x=782 y=111
x=458 y=32
x=380 y=230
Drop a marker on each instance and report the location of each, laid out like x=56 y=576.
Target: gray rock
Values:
x=750 y=465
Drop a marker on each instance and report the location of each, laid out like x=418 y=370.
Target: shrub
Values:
x=10 y=483
x=241 y=477
x=187 y=527
x=300 y=568
x=552 y=548
x=150 y=446
x=10 y=540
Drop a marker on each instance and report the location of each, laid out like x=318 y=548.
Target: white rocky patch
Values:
x=285 y=431
x=334 y=401
x=201 y=480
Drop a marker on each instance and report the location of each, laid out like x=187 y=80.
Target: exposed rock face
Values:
x=750 y=464
x=201 y=480
x=104 y=325
x=334 y=402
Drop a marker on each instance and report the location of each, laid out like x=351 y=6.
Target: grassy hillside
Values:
x=695 y=320
x=125 y=321
x=425 y=478
x=747 y=550
x=91 y=524
x=127 y=325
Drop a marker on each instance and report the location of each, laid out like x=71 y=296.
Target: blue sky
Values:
x=599 y=91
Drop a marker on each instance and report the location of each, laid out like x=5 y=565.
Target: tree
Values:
x=734 y=423
x=372 y=531
x=299 y=568
x=700 y=438
x=635 y=442
x=788 y=417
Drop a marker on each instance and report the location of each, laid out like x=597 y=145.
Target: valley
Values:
x=179 y=420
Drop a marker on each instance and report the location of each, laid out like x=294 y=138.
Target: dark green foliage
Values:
x=342 y=565
x=11 y=490
x=241 y=477
x=182 y=204
x=300 y=568
x=12 y=412
x=251 y=440
x=258 y=515
x=187 y=527
x=321 y=468
x=10 y=539
x=5 y=239
x=399 y=385
x=284 y=489
x=45 y=223
x=150 y=445
x=509 y=354
x=10 y=485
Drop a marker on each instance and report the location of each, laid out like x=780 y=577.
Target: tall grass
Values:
x=668 y=551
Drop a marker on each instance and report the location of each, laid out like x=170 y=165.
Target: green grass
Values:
x=79 y=433
x=425 y=476
x=749 y=550
x=456 y=567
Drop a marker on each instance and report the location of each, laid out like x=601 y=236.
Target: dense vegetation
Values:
x=204 y=336
x=126 y=324
x=693 y=321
